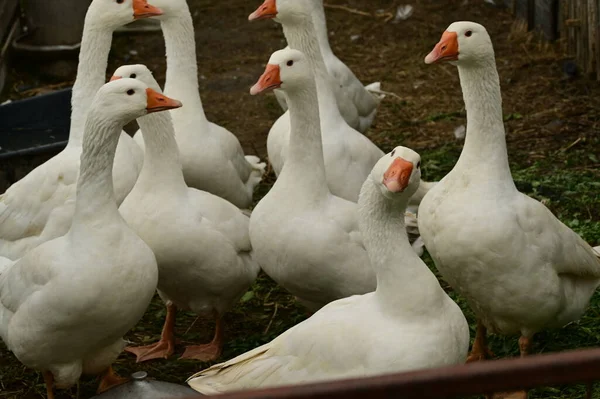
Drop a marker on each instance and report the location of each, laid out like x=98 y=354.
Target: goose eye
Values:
x=120 y=1
x=418 y=164
x=469 y=33
x=133 y=76
x=290 y=63
x=393 y=152
x=130 y=92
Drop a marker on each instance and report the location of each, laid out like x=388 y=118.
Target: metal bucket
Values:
x=55 y=25
x=141 y=387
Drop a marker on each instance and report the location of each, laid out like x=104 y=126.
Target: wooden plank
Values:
x=591 y=37
x=7 y=12
x=521 y=10
x=597 y=41
x=546 y=18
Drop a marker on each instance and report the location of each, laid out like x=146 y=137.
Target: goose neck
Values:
x=305 y=165
x=320 y=25
x=182 y=68
x=402 y=278
x=162 y=166
x=301 y=36
x=485 y=141
x=95 y=202
x=91 y=71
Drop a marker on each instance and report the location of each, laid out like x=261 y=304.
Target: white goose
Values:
x=212 y=157
x=40 y=207
x=527 y=271
x=349 y=155
x=366 y=103
x=65 y=306
x=305 y=238
x=408 y=323
x=201 y=241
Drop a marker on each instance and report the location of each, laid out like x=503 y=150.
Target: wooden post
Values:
x=597 y=33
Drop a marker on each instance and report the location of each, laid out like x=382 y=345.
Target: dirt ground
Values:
x=549 y=116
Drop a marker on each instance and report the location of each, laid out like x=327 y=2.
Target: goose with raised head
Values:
x=304 y=237
x=349 y=155
x=40 y=206
x=65 y=306
x=527 y=271
x=211 y=156
x=201 y=241
x=408 y=323
x=365 y=101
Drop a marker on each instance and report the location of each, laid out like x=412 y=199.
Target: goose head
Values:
x=287 y=70
x=113 y=14
x=139 y=72
x=398 y=173
x=283 y=11
x=463 y=43
x=126 y=99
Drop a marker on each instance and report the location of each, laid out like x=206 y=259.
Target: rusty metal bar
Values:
x=580 y=366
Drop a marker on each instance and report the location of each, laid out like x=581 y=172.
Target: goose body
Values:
x=65 y=306
x=201 y=241
x=408 y=323
x=212 y=157
x=527 y=271
x=303 y=236
x=40 y=206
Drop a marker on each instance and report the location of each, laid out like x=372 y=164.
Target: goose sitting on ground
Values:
x=304 y=237
x=212 y=157
x=527 y=271
x=40 y=206
x=65 y=306
x=201 y=241
x=408 y=323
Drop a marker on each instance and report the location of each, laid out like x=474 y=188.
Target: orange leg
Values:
x=49 y=380
x=163 y=348
x=109 y=380
x=525 y=348
x=480 y=350
x=525 y=345
x=208 y=352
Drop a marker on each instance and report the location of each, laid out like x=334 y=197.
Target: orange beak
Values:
x=445 y=50
x=398 y=174
x=270 y=79
x=267 y=10
x=158 y=102
x=141 y=9
x=115 y=77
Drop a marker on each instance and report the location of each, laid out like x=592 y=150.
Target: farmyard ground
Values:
x=552 y=122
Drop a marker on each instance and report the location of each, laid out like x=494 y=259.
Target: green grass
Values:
x=571 y=190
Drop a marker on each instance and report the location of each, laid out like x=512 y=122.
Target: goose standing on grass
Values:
x=366 y=103
x=201 y=241
x=40 y=207
x=65 y=306
x=305 y=238
x=349 y=155
x=527 y=271
x=211 y=156
x=408 y=323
